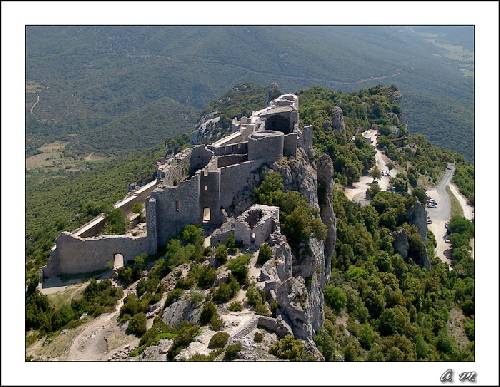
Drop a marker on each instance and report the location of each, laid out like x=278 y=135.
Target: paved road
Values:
x=441 y=215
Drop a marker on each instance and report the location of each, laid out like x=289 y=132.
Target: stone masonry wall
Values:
x=93 y=254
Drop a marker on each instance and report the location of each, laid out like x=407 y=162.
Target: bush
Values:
x=218 y=340
x=225 y=291
x=186 y=333
x=221 y=254
x=205 y=275
x=254 y=297
x=262 y=310
x=232 y=351
x=258 y=337
x=137 y=325
x=208 y=311
x=239 y=268
x=288 y=348
x=115 y=222
x=335 y=297
x=173 y=296
x=265 y=254
x=235 y=307
x=216 y=323
x=137 y=208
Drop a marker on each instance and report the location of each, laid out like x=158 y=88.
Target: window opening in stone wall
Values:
x=206 y=188
x=252 y=237
x=177 y=208
x=206 y=215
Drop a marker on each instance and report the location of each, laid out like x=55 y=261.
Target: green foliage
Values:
x=239 y=267
x=258 y=337
x=137 y=208
x=335 y=298
x=464 y=179
x=254 y=297
x=221 y=254
x=232 y=351
x=235 y=306
x=225 y=291
x=299 y=221
x=137 y=325
x=158 y=331
x=173 y=296
x=420 y=194
x=208 y=311
x=185 y=334
x=115 y=222
x=218 y=340
x=288 y=348
x=265 y=254
x=97 y=298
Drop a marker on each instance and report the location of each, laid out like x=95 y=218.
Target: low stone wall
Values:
x=75 y=255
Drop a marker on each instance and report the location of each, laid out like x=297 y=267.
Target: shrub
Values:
x=288 y=348
x=258 y=337
x=265 y=253
x=235 y=307
x=186 y=333
x=206 y=276
x=335 y=297
x=216 y=323
x=218 y=340
x=224 y=292
x=208 y=311
x=137 y=325
x=262 y=310
x=221 y=254
x=173 y=296
x=239 y=268
x=254 y=297
x=137 y=208
x=115 y=222
x=232 y=351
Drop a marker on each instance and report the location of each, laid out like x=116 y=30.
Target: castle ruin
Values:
x=199 y=185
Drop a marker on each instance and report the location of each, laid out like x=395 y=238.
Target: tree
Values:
x=375 y=173
x=115 y=222
x=137 y=325
x=265 y=253
x=420 y=194
x=335 y=297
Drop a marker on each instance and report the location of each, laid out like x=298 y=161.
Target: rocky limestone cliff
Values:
x=338 y=119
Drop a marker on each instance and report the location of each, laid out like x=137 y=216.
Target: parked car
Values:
x=429 y=221
x=447 y=240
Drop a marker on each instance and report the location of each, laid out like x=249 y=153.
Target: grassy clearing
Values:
x=64 y=297
x=456 y=208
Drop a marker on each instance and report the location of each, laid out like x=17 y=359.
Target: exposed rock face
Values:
x=274 y=325
x=157 y=352
x=401 y=244
x=325 y=191
x=338 y=119
x=406 y=249
x=182 y=310
x=417 y=215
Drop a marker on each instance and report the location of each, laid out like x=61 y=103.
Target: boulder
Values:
x=182 y=310
x=275 y=325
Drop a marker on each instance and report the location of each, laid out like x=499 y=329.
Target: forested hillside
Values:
x=89 y=86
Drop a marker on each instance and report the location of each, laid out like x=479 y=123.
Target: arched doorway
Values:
x=117 y=261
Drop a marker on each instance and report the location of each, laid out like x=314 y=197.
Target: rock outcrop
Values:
x=417 y=215
x=325 y=192
x=338 y=119
x=185 y=309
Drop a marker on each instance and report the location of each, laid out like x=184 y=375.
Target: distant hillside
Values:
x=94 y=85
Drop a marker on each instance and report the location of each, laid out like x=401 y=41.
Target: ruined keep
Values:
x=199 y=185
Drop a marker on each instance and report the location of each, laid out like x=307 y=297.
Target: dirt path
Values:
x=357 y=192
x=36 y=103
x=101 y=337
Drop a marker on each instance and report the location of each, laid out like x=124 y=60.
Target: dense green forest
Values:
x=88 y=86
